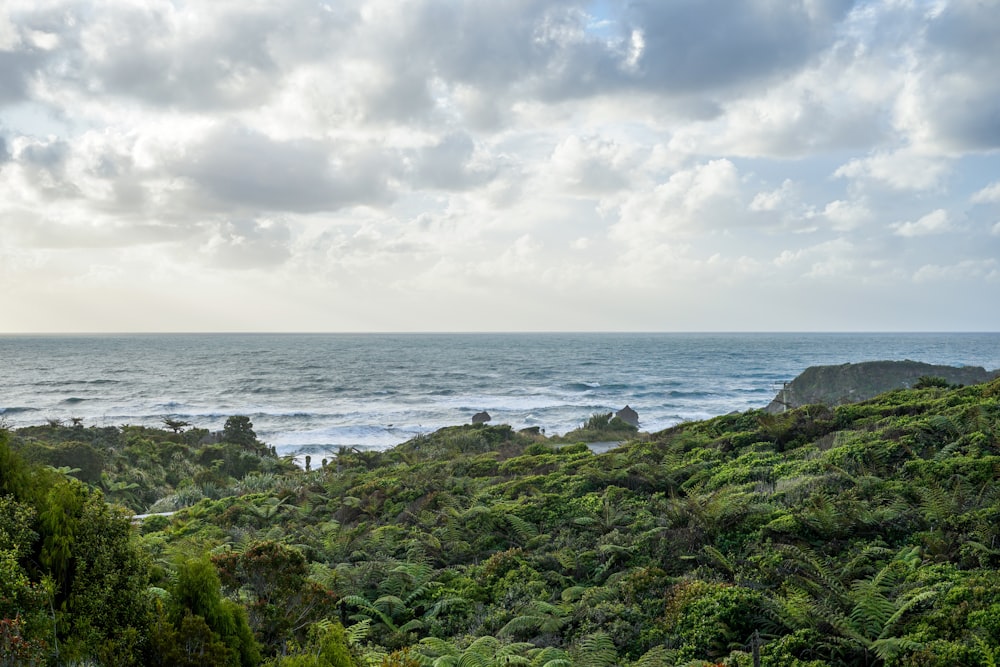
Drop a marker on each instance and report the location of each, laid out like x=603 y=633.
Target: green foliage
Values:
x=931 y=382
x=864 y=535
x=328 y=645
x=270 y=578
x=238 y=430
x=196 y=604
x=599 y=427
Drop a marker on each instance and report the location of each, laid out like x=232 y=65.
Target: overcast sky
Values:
x=460 y=165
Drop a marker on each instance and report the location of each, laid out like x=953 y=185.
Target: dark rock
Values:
x=481 y=417
x=629 y=416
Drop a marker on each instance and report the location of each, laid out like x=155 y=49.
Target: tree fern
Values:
x=522 y=529
x=658 y=656
x=597 y=650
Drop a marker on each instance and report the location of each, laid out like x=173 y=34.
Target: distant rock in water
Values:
x=629 y=416
x=849 y=383
x=481 y=418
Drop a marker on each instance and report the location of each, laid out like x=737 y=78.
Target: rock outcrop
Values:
x=849 y=383
x=629 y=416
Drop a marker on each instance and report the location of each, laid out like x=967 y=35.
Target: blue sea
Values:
x=311 y=393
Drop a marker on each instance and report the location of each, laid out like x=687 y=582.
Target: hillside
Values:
x=864 y=534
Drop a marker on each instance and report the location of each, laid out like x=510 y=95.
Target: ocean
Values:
x=311 y=393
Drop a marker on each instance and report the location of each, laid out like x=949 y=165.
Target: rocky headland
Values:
x=850 y=383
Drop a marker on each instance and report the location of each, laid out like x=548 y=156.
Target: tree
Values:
x=239 y=430
x=271 y=578
x=175 y=425
x=196 y=594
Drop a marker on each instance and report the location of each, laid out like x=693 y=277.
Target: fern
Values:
x=598 y=650
x=656 y=657
x=358 y=632
x=522 y=529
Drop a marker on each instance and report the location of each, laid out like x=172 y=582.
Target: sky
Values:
x=474 y=165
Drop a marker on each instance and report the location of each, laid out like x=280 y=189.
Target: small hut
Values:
x=629 y=416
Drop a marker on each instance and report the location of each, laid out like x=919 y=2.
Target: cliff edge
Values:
x=849 y=383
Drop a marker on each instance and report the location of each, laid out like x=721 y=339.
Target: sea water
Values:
x=311 y=393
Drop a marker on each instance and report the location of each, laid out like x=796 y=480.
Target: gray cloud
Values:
x=697 y=45
x=448 y=165
x=963 y=91
x=16 y=69
x=239 y=167
x=143 y=52
x=50 y=156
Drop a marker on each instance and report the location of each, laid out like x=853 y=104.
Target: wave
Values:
x=16 y=410
x=675 y=393
x=73 y=400
x=66 y=383
x=580 y=386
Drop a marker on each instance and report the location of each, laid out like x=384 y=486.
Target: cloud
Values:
x=847 y=215
x=593 y=164
x=698 y=199
x=693 y=153
x=899 y=170
x=235 y=166
x=969 y=269
x=451 y=163
x=774 y=199
x=988 y=195
x=247 y=244
x=749 y=42
x=950 y=101
x=935 y=222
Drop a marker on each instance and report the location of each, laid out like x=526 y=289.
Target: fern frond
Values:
x=358 y=632
x=597 y=650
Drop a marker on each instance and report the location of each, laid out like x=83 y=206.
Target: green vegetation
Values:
x=867 y=534
x=601 y=428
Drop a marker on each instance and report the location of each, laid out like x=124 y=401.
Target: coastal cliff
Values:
x=850 y=383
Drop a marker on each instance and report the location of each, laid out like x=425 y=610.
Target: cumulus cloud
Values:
x=899 y=170
x=847 y=215
x=935 y=222
x=702 y=198
x=419 y=153
x=593 y=164
x=988 y=195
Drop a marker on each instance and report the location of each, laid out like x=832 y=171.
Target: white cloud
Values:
x=988 y=195
x=970 y=269
x=935 y=222
x=847 y=215
x=593 y=165
x=900 y=170
x=702 y=198
x=774 y=199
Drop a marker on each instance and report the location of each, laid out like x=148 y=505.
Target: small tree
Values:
x=239 y=431
x=175 y=425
